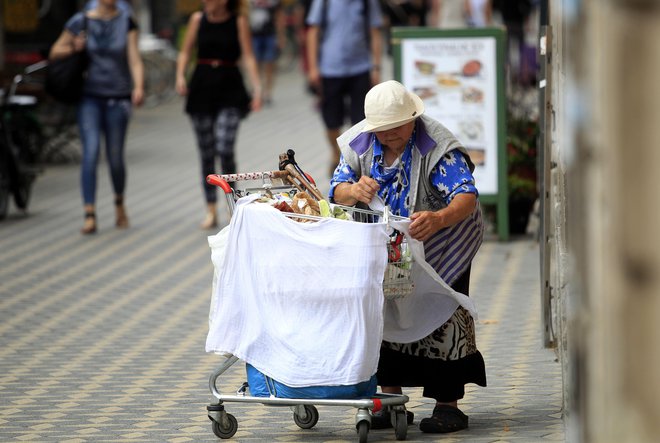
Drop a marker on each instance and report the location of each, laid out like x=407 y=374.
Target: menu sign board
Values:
x=457 y=80
x=459 y=74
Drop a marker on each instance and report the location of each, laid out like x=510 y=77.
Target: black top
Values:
x=213 y=88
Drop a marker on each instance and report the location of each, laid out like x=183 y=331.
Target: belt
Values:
x=214 y=62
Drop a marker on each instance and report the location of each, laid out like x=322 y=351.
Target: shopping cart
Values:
x=397 y=283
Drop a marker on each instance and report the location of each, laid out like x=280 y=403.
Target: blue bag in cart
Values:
x=263 y=386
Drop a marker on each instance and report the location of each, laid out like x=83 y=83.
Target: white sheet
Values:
x=301 y=302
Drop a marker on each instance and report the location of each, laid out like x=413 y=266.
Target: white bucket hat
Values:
x=389 y=105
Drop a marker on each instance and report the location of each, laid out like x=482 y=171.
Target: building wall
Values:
x=605 y=141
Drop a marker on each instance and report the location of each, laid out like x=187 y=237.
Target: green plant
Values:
x=521 y=144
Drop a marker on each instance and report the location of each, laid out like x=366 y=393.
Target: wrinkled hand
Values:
x=425 y=224
x=365 y=189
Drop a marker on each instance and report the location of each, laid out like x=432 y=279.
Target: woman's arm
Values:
x=66 y=44
x=250 y=62
x=183 y=58
x=137 y=68
x=488 y=11
x=280 y=27
x=313 y=75
x=376 y=51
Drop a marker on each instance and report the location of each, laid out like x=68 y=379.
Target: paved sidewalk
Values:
x=102 y=337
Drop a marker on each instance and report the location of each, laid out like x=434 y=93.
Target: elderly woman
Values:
x=420 y=170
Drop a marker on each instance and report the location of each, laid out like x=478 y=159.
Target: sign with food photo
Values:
x=456 y=77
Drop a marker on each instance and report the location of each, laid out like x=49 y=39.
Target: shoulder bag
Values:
x=65 y=76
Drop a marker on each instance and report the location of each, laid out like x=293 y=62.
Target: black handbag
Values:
x=65 y=76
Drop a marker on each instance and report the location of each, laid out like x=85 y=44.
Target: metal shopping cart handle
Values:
x=297 y=177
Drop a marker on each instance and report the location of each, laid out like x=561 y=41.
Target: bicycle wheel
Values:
x=23 y=190
x=160 y=78
x=27 y=135
x=4 y=192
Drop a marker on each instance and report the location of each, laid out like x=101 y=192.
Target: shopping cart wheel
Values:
x=228 y=430
x=311 y=417
x=401 y=425
x=363 y=431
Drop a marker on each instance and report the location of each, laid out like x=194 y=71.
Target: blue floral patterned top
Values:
x=451 y=176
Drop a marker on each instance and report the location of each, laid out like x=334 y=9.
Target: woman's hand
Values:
x=255 y=104
x=137 y=96
x=365 y=189
x=426 y=223
x=350 y=193
x=181 y=85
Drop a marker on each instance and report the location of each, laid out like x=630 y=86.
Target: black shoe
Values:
x=383 y=419
x=445 y=419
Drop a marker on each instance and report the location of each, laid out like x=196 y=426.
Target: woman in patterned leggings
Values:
x=217 y=98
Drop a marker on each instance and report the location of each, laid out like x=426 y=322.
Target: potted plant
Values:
x=521 y=144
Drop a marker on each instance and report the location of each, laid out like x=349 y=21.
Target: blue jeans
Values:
x=97 y=116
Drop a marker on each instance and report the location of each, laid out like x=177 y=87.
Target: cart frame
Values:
x=305 y=413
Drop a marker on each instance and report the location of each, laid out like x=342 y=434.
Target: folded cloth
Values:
x=301 y=302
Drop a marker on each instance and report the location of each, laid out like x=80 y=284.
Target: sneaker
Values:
x=383 y=419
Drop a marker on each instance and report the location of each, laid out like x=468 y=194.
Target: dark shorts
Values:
x=342 y=96
x=264 y=47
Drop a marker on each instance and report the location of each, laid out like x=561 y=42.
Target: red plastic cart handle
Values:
x=215 y=179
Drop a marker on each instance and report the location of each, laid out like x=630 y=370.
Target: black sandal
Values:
x=445 y=419
x=91 y=228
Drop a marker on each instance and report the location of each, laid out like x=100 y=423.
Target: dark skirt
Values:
x=442 y=379
x=215 y=88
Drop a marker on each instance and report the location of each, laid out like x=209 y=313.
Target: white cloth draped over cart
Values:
x=303 y=302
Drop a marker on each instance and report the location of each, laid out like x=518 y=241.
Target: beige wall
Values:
x=606 y=141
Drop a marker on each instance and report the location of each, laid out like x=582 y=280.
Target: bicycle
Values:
x=20 y=144
x=159 y=58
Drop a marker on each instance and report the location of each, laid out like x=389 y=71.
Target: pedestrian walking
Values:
x=114 y=83
x=479 y=13
x=217 y=98
x=344 y=54
x=420 y=170
x=267 y=22
x=447 y=14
